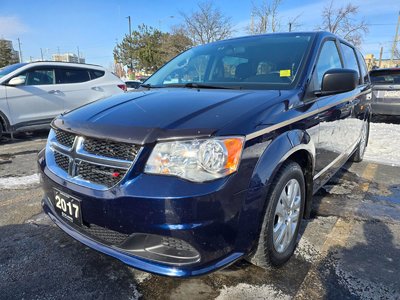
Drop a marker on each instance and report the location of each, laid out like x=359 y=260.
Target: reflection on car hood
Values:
x=147 y=116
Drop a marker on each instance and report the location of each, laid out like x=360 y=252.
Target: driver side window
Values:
x=39 y=77
x=328 y=59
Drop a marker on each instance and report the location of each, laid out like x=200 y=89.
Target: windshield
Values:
x=8 y=69
x=263 y=62
x=385 y=77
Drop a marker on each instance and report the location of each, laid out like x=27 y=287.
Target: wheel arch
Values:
x=5 y=122
x=295 y=145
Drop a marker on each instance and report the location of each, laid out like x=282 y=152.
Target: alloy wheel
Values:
x=286 y=217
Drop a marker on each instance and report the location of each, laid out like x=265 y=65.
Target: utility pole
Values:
x=79 y=60
x=396 y=37
x=130 y=39
x=380 y=57
x=41 y=53
x=252 y=24
x=290 y=27
x=20 y=52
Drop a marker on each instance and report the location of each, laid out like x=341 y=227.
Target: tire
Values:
x=1 y=129
x=358 y=155
x=274 y=254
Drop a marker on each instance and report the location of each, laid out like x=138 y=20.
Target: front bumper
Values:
x=205 y=216
x=137 y=262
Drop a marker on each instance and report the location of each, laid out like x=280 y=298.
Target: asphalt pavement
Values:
x=350 y=248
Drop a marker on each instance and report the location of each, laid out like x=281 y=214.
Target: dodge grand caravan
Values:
x=215 y=159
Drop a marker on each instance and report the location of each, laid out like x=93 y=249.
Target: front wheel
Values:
x=282 y=218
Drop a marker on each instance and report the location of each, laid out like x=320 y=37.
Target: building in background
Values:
x=373 y=63
x=15 y=53
x=68 y=57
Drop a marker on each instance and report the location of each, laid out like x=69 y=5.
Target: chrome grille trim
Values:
x=76 y=154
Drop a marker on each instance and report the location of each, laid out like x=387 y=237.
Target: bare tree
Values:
x=341 y=22
x=294 y=23
x=207 y=24
x=264 y=17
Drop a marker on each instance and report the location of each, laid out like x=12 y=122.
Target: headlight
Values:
x=196 y=160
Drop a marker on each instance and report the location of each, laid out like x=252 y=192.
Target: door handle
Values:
x=55 y=92
x=97 y=88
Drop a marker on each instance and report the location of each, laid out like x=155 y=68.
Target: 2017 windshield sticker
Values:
x=284 y=73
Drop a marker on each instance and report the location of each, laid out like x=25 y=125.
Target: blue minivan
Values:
x=215 y=158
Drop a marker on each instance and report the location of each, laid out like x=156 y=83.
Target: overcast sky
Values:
x=96 y=26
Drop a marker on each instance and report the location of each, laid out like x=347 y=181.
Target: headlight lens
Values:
x=196 y=160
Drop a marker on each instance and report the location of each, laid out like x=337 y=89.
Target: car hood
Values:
x=159 y=114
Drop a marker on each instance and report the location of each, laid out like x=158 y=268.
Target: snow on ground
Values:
x=18 y=182
x=247 y=291
x=384 y=144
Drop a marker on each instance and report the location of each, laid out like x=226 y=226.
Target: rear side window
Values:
x=72 y=75
x=385 y=76
x=96 y=74
x=350 y=58
x=328 y=59
x=363 y=67
x=39 y=77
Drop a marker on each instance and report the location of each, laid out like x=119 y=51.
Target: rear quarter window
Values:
x=94 y=74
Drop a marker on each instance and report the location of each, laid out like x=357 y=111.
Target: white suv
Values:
x=32 y=94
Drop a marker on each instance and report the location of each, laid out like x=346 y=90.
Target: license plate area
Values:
x=67 y=207
x=391 y=94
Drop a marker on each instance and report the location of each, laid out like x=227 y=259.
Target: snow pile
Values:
x=19 y=182
x=384 y=144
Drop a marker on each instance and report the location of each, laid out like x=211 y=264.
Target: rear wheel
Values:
x=1 y=129
x=359 y=153
x=282 y=218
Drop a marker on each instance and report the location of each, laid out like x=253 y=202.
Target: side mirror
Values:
x=20 y=80
x=338 y=81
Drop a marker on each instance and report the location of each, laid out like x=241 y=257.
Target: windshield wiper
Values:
x=203 y=86
x=149 y=86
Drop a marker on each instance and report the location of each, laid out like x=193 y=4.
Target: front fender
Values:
x=275 y=154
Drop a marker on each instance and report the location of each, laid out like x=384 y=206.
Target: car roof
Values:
x=61 y=63
x=294 y=33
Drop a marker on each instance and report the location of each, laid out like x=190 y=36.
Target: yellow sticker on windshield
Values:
x=284 y=73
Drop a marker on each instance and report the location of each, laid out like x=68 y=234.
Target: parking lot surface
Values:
x=350 y=248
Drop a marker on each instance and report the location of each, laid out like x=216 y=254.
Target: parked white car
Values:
x=32 y=94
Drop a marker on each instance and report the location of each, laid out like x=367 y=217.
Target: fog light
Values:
x=161 y=248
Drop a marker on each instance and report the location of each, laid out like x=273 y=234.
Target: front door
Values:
x=329 y=145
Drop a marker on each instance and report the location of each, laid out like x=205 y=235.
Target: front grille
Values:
x=98 y=174
x=107 y=235
x=110 y=149
x=95 y=163
x=65 y=138
x=61 y=160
